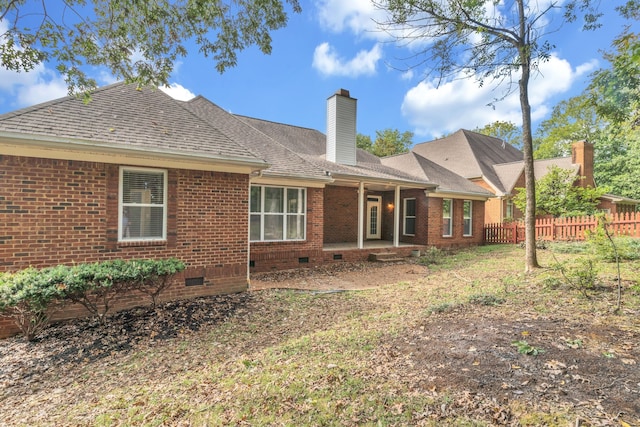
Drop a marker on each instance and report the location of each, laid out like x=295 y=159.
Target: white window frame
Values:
x=509 y=209
x=284 y=214
x=469 y=219
x=121 y=205
x=405 y=216
x=449 y=233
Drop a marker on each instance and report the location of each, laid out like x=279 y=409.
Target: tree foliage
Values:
x=615 y=91
x=509 y=132
x=617 y=164
x=492 y=41
x=557 y=194
x=607 y=114
x=364 y=142
x=387 y=143
x=137 y=40
x=572 y=120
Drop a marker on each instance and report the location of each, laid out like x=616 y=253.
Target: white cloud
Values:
x=407 y=75
x=327 y=61
x=178 y=92
x=20 y=89
x=357 y=16
x=29 y=88
x=462 y=103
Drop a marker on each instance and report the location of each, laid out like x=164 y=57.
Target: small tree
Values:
x=488 y=40
x=557 y=195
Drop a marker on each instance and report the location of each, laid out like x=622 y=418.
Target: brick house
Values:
x=137 y=174
x=498 y=167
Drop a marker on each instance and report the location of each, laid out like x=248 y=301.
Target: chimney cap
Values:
x=343 y=92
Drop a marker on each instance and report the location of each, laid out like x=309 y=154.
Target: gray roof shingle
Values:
x=121 y=115
x=470 y=154
x=423 y=168
x=310 y=144
x=283 y=161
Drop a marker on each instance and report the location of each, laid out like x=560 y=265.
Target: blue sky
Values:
x=334 y=44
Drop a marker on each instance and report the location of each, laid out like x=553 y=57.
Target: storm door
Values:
x=374 y=217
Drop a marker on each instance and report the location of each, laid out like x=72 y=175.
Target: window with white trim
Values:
x=467 y=215
x=409 y=220
x=509 y=209
x=277 y=213
x=142 y=204
x=447 y=224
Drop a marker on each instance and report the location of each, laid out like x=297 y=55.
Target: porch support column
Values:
x=361 y=215
x=396 y=217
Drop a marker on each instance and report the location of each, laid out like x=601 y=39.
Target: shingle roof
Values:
x=310 y=144
x=423 y=168
x=282 y=161
x=509 y=173
x=541 y=167
x=470 y=154
x=120 y=115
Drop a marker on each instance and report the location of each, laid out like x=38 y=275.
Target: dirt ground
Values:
x=345 y=276
x=473 y=350
x=468 y=348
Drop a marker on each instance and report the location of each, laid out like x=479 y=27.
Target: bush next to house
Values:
x=31 y=295
x=28 y=296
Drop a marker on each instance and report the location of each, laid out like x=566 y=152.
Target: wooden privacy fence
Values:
x=570 y=228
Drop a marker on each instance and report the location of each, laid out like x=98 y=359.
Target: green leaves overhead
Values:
x=388 y=142
x=138 y=41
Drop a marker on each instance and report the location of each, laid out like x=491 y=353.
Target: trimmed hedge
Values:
x=31 y=295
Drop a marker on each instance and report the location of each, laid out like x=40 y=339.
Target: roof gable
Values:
x=470 y=154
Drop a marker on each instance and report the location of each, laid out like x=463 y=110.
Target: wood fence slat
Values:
x=569 y=228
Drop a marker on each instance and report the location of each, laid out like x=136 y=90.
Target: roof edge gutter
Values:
x=394 y=181
x=54 y=143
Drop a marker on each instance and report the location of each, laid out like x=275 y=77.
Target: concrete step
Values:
x=384 y=257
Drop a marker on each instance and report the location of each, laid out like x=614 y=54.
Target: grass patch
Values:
x=352 y=358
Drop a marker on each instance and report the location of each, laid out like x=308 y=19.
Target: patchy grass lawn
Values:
x=470 y=342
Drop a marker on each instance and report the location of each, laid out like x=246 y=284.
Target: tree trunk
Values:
x=531 y=259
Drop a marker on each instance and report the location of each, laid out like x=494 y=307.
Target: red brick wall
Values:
x=422 y=213
x=457 y=239
x=268 y=256
x=64 y=212
x=341 y=214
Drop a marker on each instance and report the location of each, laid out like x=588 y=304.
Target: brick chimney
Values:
x=582 y=154
x=341 y=128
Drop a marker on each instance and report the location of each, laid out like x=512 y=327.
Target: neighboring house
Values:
x=498 y=167
x=137 y=174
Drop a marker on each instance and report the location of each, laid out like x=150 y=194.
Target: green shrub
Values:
x=583 y=275
x=432 y=256
x=570 y=247
x=28 y=296
x=485 y=299
x=96 y=286
x=155 y=276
